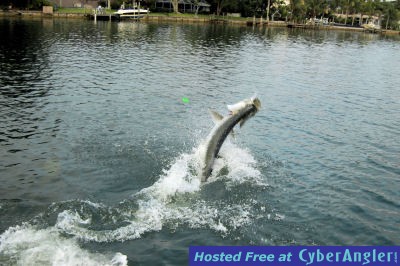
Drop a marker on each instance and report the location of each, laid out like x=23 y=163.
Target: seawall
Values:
x=190 y=19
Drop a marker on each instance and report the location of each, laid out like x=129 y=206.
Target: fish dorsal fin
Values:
x=216 y=117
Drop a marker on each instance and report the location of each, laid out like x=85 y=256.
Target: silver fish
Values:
x=239 y=113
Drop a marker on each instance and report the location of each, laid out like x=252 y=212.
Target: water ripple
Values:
x=95 y=111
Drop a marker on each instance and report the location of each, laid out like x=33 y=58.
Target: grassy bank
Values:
x=64 y=10
x=83 y=11
x=76 y=10
x=200 y=16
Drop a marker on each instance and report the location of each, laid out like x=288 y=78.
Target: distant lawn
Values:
x=79 y=10
x=75 y=10
x=179 y=15
x=191 y=15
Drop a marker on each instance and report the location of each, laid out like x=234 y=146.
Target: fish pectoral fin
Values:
x=242 y=122
x=233 y=134
x=216 y=117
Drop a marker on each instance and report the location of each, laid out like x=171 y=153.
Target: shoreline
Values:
x=201 y=19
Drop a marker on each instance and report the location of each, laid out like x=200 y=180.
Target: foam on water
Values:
x=27 y=245
x=171 y=200
x=174 y=200
x=241 y=165
x=177 y=179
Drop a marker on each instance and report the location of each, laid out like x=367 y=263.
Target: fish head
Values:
x=256 y=102
x=237 y=107
x=253 y=102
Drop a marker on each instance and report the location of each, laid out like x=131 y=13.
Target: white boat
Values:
x=371 y=26
x=132 y=12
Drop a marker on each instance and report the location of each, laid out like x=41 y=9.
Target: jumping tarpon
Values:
x=239 y=113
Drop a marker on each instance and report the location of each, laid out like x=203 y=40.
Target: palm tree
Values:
x=298 y=9
x=391 y=15
x=348 y=5
x=313 y=7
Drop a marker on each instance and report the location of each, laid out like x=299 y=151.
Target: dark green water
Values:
x=98 y=153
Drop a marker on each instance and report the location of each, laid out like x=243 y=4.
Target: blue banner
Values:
x=294 y=255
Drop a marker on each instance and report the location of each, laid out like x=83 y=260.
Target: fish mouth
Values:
x=256 y=103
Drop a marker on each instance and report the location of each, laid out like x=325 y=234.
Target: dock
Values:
x=113 y=17
x=104 y=17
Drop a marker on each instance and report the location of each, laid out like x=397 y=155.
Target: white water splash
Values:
x=156 y=207
x=168 y=201
x=177 y=179
x=241 y=165
x=26 y=245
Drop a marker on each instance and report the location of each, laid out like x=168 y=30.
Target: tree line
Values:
x=300 y=10
x=295 y=10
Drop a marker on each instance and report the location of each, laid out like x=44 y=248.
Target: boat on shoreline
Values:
x=371 y=26
x=131 y=13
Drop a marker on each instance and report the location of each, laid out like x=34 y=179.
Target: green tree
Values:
x=38 y=4
x=391 y=15
x=278 y=9
x=313 y=7
x=252 y=7
x=349 y=5
x=217 y=6
x=298 y=10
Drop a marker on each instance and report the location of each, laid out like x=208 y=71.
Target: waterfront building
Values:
x=184 y=6
x=75 y=3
